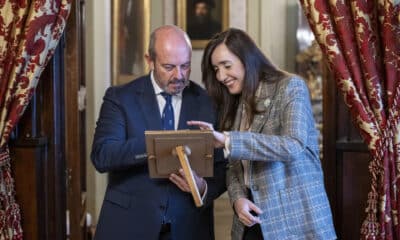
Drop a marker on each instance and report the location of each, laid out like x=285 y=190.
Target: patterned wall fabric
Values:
x=29 y=33
x=361 y=41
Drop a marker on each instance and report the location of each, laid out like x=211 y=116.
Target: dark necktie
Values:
x=168 y=113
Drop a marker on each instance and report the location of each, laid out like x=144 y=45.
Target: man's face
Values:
x=201 y=11
x=171 y=67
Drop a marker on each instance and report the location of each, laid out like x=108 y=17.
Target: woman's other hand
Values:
x=244 y=208
x=219 y=138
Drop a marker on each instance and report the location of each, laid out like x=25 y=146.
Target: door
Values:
x=75 y=138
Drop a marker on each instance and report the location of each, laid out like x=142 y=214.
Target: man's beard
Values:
x=182 y=82
x=179 y=85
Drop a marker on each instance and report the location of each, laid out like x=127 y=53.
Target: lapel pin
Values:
x=267 y=102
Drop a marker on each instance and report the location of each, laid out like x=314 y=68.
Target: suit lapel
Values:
x=149 y=106
x=188 y=109
x=236 y=123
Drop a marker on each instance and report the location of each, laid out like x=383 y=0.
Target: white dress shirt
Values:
x=176 y=101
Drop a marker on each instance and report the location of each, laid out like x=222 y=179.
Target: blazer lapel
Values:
x=236 y=123
x=264 y=100
x=149 y=106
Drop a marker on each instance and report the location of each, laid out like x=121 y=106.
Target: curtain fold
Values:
x=361 y=41
x=29 y=33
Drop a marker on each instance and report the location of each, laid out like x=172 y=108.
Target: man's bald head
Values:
x=165 y=37
x=169 y=58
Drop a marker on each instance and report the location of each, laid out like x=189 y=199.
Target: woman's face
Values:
x=229 y=70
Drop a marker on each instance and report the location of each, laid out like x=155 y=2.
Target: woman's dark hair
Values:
x=257 y=68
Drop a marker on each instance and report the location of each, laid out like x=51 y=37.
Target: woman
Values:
x=274 y=178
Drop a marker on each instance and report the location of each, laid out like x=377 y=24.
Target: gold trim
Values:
x=117 y=77
x=114 y=50
x=181 y=13
x=181 y=7
x=146 y=40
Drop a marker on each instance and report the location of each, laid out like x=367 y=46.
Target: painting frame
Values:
x=222 y=16
x=127 y=60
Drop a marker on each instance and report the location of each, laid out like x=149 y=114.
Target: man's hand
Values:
x=243 y=208
x=180 y=181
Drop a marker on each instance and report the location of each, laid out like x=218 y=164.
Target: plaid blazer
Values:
x=285 y=174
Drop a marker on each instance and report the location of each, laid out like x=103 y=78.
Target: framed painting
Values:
x=201 y=19
x=130 y=37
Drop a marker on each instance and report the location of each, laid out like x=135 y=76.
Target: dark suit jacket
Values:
x=135 y=205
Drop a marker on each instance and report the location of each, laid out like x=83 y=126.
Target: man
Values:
x=203 y=26
x=136 y=206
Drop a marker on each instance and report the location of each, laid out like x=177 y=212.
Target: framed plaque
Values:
x=163 y=159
